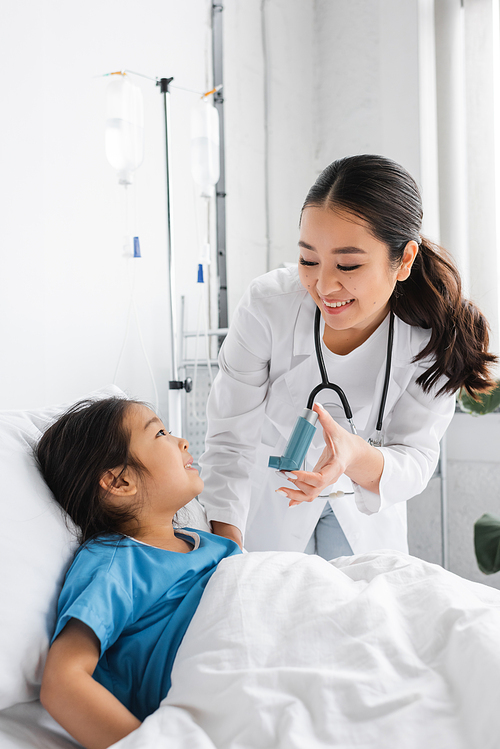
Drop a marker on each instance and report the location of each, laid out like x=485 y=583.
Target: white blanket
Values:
x=287 y=651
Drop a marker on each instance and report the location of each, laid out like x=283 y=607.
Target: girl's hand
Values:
x=344 y=453
x=88 y=712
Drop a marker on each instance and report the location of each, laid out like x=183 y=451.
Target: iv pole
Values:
x=175 y=386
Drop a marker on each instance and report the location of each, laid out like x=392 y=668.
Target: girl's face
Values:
x=170 y=480
x=347 y=272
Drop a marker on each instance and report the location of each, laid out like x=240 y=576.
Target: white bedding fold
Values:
x=287 y=651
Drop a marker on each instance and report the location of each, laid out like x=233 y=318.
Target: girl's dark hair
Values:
x=383 y=193
x=76 y=451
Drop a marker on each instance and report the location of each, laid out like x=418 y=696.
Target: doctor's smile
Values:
x=334 y=308
x=337 y=304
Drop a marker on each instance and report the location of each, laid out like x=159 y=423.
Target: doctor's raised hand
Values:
x=374 y=313
x=344 y=453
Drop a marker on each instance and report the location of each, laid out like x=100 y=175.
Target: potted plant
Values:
x=487 y=528
x=487 y=543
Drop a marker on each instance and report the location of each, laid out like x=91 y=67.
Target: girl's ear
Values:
x=409 y=255
x=119 y=482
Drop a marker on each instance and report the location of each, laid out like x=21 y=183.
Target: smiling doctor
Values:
x=394 y=334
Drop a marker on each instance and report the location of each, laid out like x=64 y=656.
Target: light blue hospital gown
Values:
x=139 y=601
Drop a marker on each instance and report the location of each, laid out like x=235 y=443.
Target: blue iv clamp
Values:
x=298 y=444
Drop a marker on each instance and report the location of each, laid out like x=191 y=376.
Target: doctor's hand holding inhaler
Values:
x=368 y=339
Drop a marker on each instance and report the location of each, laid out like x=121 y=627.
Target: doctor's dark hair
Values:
x=76 y=451
x=384 y=195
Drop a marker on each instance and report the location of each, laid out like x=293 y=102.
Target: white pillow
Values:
x=36 y=548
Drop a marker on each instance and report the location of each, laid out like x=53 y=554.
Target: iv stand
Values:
x=175 y=386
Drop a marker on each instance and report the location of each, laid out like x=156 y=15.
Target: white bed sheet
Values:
x=288 y=651
x=28 y=726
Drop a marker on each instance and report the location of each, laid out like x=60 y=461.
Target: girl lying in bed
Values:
x=136 y=580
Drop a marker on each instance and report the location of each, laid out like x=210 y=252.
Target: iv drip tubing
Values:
x=204 y=299
x=143 y=347
x=131 y=283
x=201 y=306
x=125 y=337
x=132 y=307
x=175 y=386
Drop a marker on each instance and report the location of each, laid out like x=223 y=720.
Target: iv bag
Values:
x=205 y=145
x=124 y=134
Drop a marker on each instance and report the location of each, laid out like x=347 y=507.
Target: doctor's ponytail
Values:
x=384 y=195
x=432 y=298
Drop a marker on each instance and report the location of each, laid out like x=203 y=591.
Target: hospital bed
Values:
x=285 y=651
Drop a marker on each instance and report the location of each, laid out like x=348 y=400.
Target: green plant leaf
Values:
x=486 y=403
x=487 y=543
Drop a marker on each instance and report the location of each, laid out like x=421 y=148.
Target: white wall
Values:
x=64 y=279
x=245 y=146
x=270 y=101
x=368 y=84
x=315 y=81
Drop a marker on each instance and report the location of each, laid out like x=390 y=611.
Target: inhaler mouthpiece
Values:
x=298 y=444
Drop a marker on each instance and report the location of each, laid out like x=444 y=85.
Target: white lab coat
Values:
x=267 y=368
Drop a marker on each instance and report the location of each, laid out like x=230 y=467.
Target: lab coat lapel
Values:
x=303 y=334
x=290 y=388
x=305 y=375
x=303 y=360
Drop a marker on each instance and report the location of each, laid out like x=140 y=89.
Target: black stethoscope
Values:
x=305 y=426
x=326 y=384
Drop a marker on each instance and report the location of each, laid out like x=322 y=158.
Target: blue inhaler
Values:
x=298 y=444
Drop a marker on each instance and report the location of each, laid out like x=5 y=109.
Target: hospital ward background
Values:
x=155 y=157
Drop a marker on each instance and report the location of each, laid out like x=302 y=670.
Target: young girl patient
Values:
x=136 y=581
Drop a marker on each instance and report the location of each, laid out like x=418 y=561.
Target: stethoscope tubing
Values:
x=326 y=384
x=388 y=363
